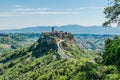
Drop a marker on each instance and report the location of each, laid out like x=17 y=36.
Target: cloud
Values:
x=18 y=6
x=8 y=15
x=94 y=7
x=36 y=13
x=20 y=11
x=88 y=8
x=49 y=13
x=30 y=9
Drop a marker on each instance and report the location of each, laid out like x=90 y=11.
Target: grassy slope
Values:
x=23 y=65
x=47 y=68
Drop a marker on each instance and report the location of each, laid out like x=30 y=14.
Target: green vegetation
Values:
x=92 y=43
x=43 y=61
x=10 y=42
x=112 y=13
x=112 y=52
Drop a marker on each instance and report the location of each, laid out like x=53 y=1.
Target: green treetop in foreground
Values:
x=112 y=13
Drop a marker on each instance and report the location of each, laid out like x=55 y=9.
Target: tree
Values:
x=112 y=13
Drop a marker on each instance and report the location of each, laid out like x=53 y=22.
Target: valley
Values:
x=88 y=42
x=58 y=56
x=10 y=42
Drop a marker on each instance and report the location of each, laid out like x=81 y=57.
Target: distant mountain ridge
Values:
x=75 y=29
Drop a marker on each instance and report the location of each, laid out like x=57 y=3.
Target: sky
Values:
x=16 y=14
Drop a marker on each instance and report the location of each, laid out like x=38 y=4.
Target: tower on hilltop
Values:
x=52 y=29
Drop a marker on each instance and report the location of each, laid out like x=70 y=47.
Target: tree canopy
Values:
x=112 y=12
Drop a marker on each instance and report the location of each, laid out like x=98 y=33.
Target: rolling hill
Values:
x=54 y=56
x=10 y=42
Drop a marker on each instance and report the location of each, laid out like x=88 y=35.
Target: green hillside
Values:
x=112 y=52
x=55 y=56
x=9 y=42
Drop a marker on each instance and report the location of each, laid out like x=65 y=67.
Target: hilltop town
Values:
x=57 y=34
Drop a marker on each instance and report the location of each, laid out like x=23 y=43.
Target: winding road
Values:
x=63 y=55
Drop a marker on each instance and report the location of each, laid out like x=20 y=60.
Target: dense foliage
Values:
x=112 y=13
x=10 y=42
x=26 y=67
x=111 y=55
x=23 y=64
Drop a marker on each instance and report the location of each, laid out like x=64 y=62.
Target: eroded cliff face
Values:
x=49 y=41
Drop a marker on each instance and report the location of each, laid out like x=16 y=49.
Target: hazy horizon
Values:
x=27 y=13
x=22 y=27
